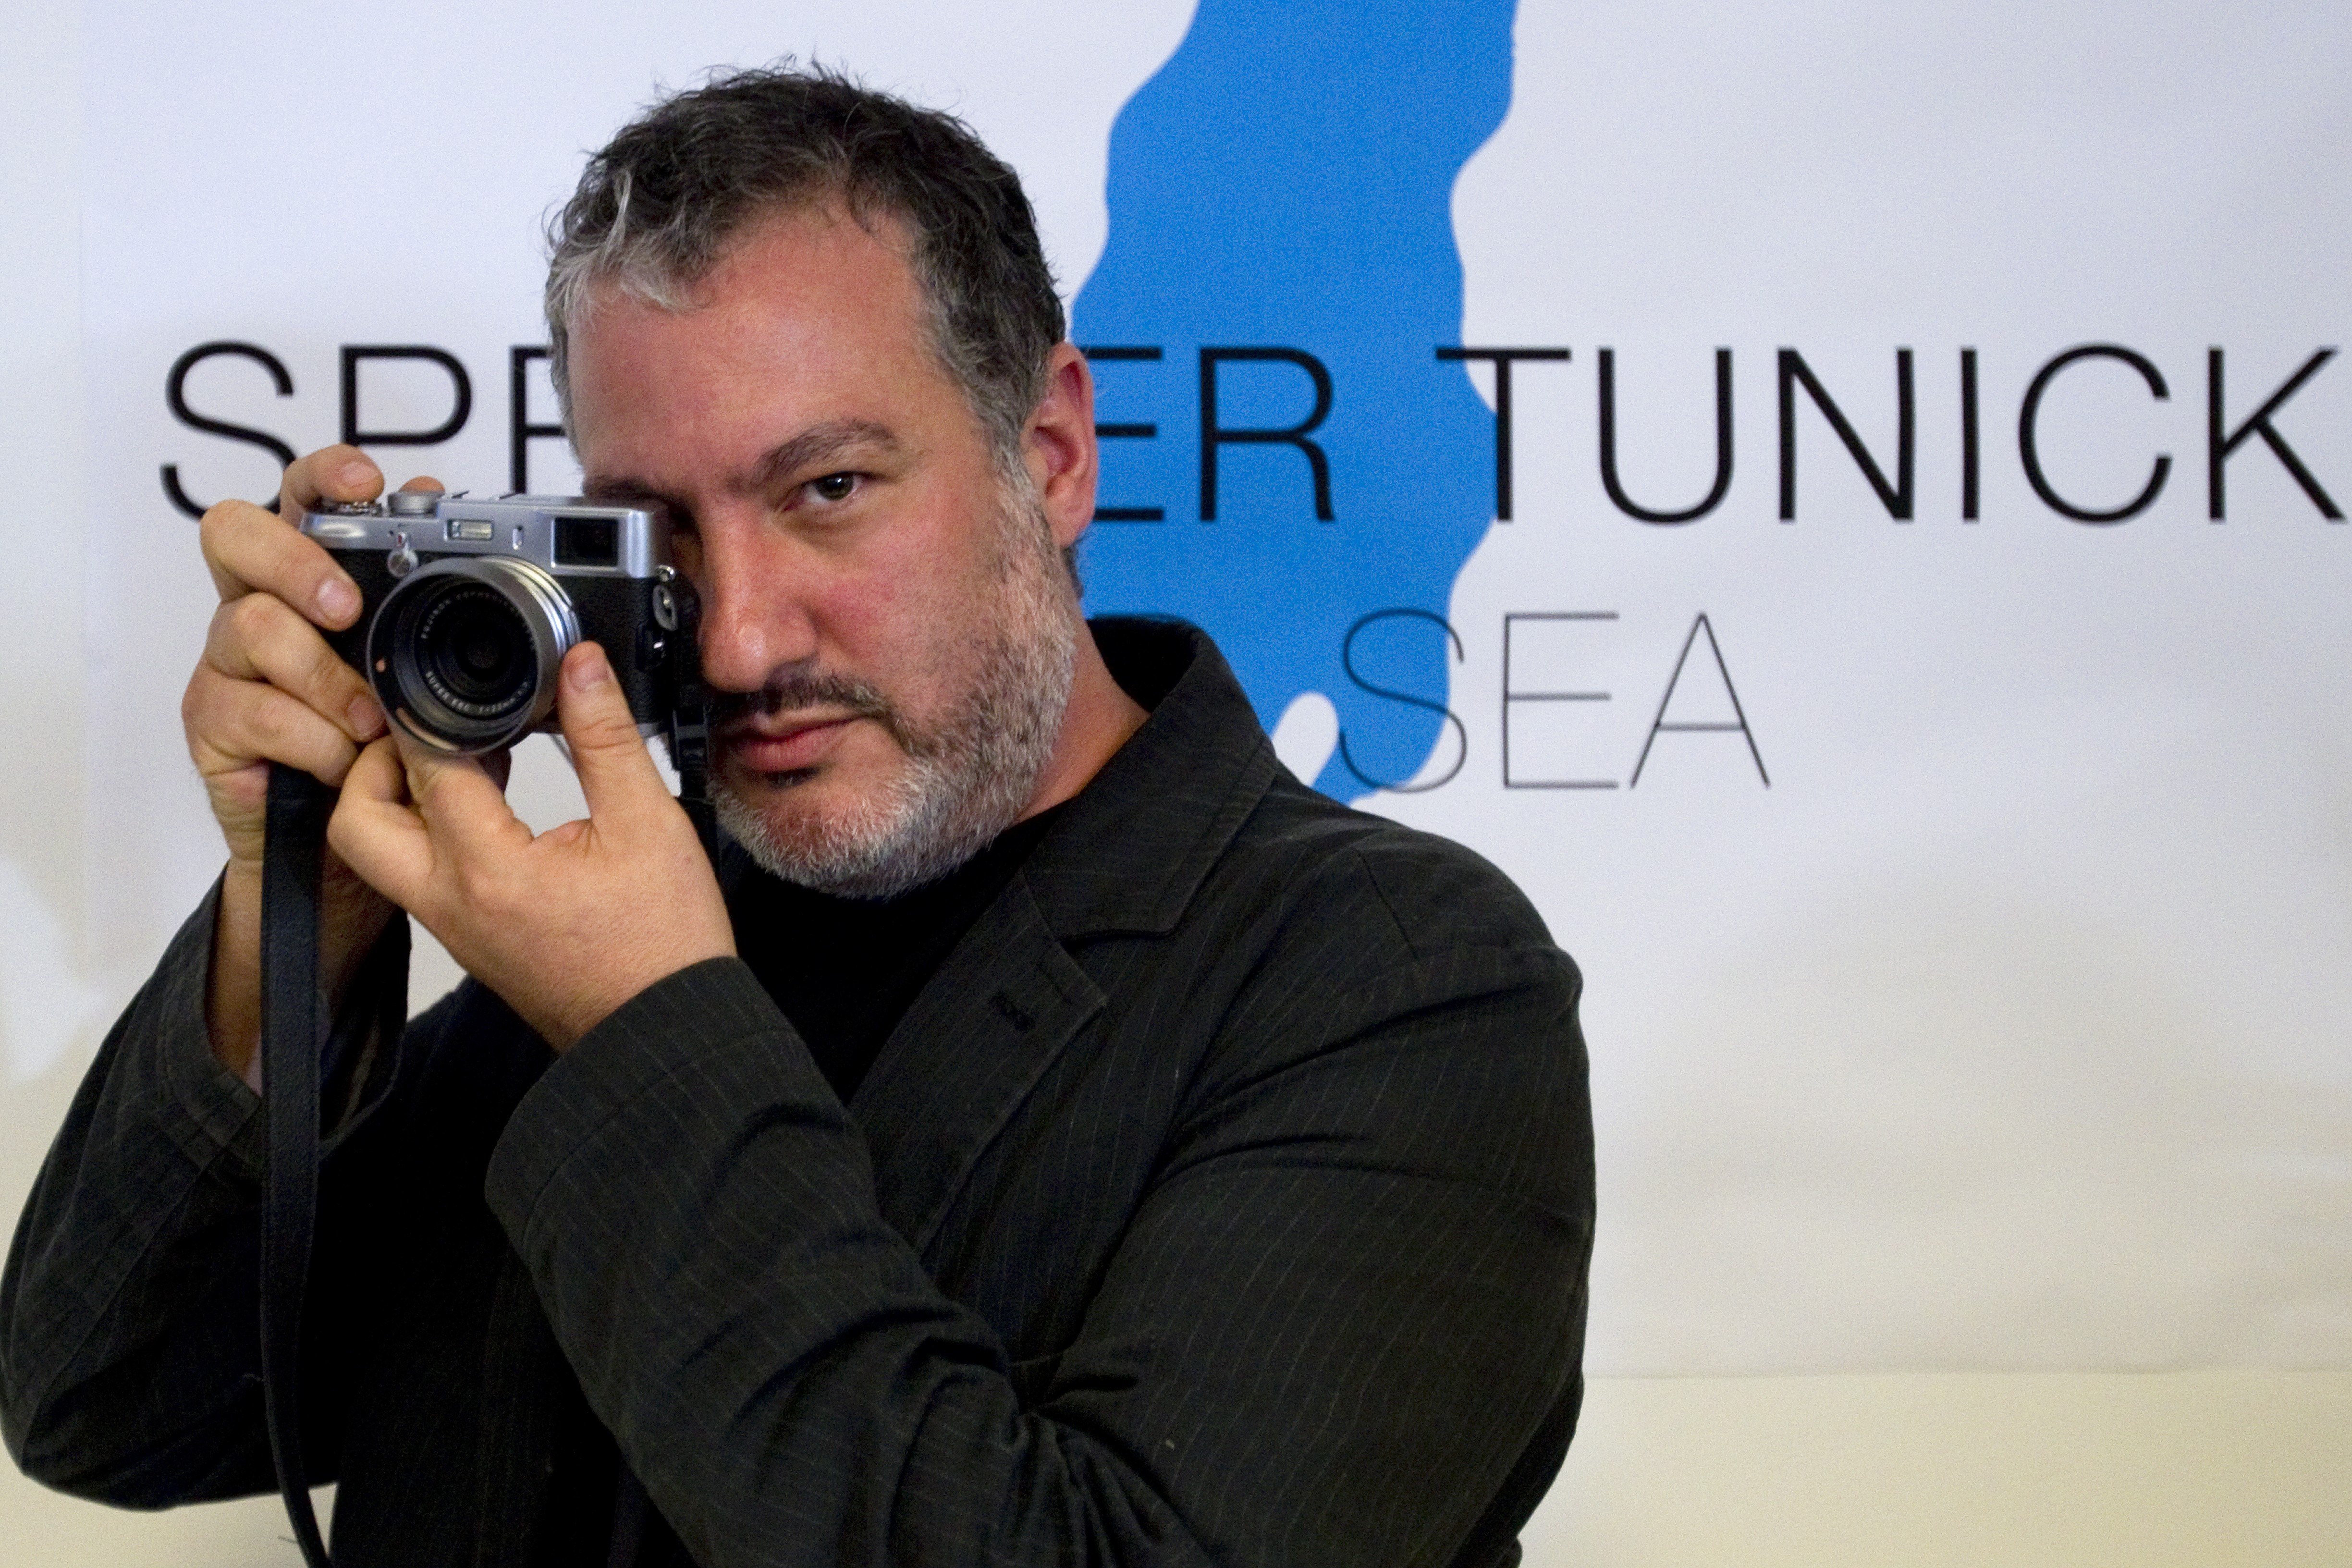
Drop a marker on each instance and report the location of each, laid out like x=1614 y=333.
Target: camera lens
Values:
x=473 y=652
x=464 y=652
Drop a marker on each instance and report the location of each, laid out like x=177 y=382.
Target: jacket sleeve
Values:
x=130 y=1353
x=1335 y=1327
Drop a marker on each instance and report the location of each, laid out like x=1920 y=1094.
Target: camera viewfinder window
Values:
x=587 y=542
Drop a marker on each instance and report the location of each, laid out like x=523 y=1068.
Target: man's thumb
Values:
x=606 y=751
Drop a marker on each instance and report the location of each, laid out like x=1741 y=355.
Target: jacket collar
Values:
x=1136 y=844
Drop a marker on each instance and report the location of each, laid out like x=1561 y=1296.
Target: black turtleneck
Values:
x=846 y=970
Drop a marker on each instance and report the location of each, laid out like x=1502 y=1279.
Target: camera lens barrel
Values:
x=462 y=653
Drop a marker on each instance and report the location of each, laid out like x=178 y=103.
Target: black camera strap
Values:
x=294 y=1031
x=688 y=736
x=293 y=1037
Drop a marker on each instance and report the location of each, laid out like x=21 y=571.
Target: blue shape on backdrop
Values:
x=1285 y=181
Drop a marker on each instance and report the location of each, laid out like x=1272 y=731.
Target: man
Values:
x=1050 y=1135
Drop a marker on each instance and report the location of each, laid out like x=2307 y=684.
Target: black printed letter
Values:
x=175 y=398
x=2029 y=449
x=1214 y=435
x=1501 y=359
x=1461 y=735
x=355 y=352
x=1125 y=432
x=521 y=431
x=1967 y=435
x=2218 y=446
x=1897 y=497
x=1738 y=722
x=1722 y=443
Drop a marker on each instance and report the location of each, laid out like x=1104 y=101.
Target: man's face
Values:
x=888 y=612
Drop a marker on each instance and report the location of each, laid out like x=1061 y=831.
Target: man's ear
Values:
x=1059 y=444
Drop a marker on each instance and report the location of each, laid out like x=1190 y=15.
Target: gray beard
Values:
x=968 y=775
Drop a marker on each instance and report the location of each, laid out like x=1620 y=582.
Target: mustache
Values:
x=789 y=690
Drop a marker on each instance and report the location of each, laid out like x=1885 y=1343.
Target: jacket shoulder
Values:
x=1411 y=896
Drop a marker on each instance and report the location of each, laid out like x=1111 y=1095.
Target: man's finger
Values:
x=617 y=776
x=461 y=804
x=257 y=637
x=331 y=473
x=248 y=550
x=233 y=723
x=375 y=831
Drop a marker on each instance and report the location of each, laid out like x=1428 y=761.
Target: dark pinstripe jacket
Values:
x=1225 y=1197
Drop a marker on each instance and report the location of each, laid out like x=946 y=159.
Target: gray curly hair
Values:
x=657 y=207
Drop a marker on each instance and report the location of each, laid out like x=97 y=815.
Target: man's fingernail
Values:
x=355 y=472
x=367 y=718
x=337 y=598
x=590 y=672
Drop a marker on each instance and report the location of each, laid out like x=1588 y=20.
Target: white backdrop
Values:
x=2003 y=1029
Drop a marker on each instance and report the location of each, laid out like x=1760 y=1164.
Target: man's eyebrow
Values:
x=621 y=492
x=812 y=447
x=816 y=446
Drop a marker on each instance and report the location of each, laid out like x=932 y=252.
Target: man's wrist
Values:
x=351 y=919
x=232 y=978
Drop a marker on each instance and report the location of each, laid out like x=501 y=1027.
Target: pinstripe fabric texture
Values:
x=1224 y=1198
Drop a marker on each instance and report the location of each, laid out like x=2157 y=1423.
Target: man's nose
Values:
x=754 y=622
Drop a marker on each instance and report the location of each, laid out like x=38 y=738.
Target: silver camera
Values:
x=471 y=605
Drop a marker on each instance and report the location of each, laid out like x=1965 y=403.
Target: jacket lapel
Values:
x=968 y=1050
x=1128 y=857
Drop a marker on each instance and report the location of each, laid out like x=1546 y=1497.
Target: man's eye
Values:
x=834 y=486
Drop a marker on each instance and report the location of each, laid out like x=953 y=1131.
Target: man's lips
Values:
x=785 y=746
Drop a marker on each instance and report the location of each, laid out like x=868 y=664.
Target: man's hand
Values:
x=269 y=690
x=565 y=926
